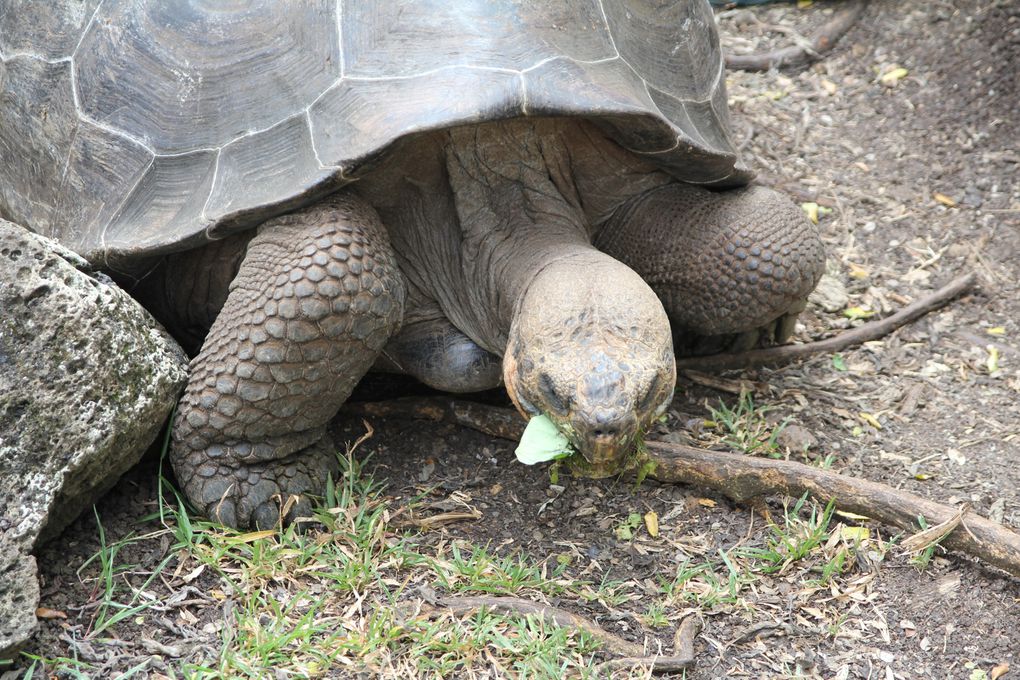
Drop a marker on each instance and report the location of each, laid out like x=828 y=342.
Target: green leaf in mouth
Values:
x=542 y=441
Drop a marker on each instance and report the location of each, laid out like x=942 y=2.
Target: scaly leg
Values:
x=316 y=298
x=732 y=268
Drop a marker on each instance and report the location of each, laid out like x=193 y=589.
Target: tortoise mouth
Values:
x=607 y=454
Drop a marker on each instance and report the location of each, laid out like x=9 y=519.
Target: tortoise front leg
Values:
x=316 y=298
x=732 y=268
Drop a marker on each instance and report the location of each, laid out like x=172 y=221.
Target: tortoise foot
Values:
x=260 y=494
x=317 y=297
x=775 y=332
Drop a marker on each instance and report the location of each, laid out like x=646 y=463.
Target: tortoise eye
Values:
x=552 y=399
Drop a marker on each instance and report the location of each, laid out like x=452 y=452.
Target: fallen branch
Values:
x=683 y=651
x=741 y=478
x=631 y=654
x=468 y=605
x=442 y=519
x=865 y=333
x=796 y=55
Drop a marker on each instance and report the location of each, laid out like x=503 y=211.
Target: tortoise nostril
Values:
x=605 y=424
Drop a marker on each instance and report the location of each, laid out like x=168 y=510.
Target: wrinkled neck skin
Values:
x=489 y=222
x=475 y=212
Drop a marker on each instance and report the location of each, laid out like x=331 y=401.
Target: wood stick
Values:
x=683 y=651
x=467 y=605
x=741 y=477
x=870 y=331
x=818 y=44
x=683 y=640
x=631 y=654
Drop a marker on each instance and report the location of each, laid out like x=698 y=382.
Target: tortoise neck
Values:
x=512 y=195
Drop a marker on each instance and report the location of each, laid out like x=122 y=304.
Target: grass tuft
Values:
x=745 y=427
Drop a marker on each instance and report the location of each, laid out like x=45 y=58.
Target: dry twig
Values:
x=468 y=605
x=820 y=42
x=630 y=654
x=442 y=519
x=742 y=477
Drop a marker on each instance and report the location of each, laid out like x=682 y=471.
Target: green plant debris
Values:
x=625 y=529
x=856 y=313
x=542 y=441
x=745 y=427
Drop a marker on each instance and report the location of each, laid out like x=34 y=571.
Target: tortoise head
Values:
x=590 y=347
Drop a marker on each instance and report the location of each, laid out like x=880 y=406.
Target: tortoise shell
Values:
x=132 y=128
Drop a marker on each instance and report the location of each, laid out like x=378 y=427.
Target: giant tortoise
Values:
x=516 y=192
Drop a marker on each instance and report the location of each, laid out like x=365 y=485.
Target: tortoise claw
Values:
x=775 y=332
x=265 y=494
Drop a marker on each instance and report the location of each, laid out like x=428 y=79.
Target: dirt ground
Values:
x=918 y=174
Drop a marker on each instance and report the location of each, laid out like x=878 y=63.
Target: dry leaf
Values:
x=948 y=585
x=842 y=413
x=194 y=573
x=871 y=420
x=855 y=534
x=993 y=358
x=252 y=536
x=857 y=271
x=931 y=535
x=893 y=76
x=853 y=516
x=47 y=613
x=957 y=457
x=652 y=523
x=999 y=671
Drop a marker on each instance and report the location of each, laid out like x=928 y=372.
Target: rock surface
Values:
x=87 y=379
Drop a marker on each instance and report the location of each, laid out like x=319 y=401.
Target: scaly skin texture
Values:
x=721 y=262
x=316 y=298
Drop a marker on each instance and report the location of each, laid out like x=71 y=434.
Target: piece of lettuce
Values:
x=542 y=441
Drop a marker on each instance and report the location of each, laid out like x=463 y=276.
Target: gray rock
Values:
x=87 y=379
x=830 y=293
x=19 y=597
x=796 y=438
